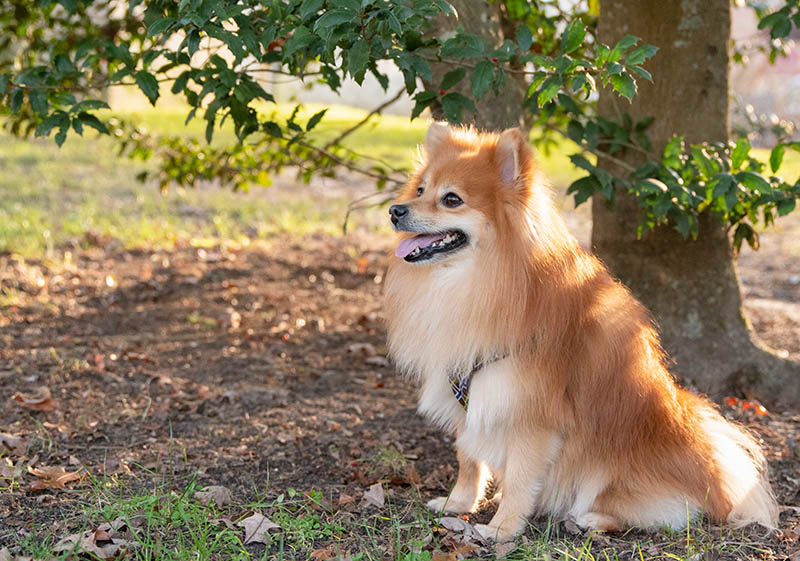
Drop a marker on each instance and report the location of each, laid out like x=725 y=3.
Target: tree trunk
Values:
x=495 y=112
x=690 y=286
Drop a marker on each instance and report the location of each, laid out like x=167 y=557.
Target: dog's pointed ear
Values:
x=513 y=155
x=437 y=133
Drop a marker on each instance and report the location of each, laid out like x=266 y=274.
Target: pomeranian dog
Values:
x=546 y=369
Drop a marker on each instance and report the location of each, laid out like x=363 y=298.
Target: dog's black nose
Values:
x=397 y=212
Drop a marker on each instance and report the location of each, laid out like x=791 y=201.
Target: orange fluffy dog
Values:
x=546 y=369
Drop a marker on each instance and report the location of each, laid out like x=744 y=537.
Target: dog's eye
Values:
x=452 y=200
x=420 y=190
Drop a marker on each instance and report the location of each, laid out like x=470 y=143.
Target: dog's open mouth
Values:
x=426 y=246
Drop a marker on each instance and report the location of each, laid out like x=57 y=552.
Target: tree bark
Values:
x=495 y=112
x=690 y=286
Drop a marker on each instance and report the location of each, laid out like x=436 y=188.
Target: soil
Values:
x=258 y=366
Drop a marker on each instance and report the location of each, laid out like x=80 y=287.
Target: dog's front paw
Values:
x=448 y=504
x=597 y=521
x=493 y=533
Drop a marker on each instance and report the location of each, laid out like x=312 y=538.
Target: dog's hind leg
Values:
x=468 y=489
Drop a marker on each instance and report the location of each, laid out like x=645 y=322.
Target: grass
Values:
x=167 y=522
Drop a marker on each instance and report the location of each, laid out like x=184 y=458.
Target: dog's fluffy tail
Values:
x=742 y=470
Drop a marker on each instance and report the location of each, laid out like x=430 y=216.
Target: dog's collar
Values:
x=461 y=381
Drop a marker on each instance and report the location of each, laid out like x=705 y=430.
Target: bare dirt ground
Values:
x=261 y=369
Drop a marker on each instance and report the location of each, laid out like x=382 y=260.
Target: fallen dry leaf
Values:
x=503 y=549
x=5 y=555
x=345 y=499
x=468 y=534
x=256 y=528
x=10 y=471
x=321 y=554
x=55 y=477
x=456 y=554
x=13 y=445
x=227 y=522
x=375 y=495
x=39 y=401
x=219 y=495
x=97 y=542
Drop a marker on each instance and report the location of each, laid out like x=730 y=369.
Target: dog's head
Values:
x=458 y=201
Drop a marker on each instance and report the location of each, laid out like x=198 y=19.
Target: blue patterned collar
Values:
x=461 y=381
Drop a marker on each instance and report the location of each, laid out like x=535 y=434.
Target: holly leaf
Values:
x=573 y=36
x=624 y=84
x=482 y=78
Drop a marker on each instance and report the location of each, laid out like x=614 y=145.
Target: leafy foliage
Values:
x=64 y=53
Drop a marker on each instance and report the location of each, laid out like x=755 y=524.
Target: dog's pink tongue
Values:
x=409 y=245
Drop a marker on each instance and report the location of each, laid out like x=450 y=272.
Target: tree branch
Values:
x=362 y=122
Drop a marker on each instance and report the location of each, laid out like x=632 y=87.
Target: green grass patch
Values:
x=167 y=522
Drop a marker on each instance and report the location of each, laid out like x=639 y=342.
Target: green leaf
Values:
x=575 y=131
x=332 y=18
x=70 y=5
x=781 y=29
x=463 y=46
x=50 y=122
x=61 y=135
x=549 y=90
x=776 y=157
x=17 y=97
x=482 y=78
x=740 y=152
x=421 y=67
x=38 y=99
x=623 y=44
x=524 y=37
x=702 y=161
x=89 y=105
x=181 y=81
x=640 y=54
x=641 y=72
x=193 y=41
x=452 y=78
x=422 y=100
x=584 y=188
x=148 y=84
x=786 y=206
x=314 y=121
x=744 y=232
x=721 y=184
x=300 y=39
x=357 y=59
x=91 y=121
x=662 y=206
x=310 y=7
x=772 y=19
x=624 y=85
x=681 y=222
x=453 y=105
x=273 y=129
x=160 y=26
x=573 y=36
x=754 y=181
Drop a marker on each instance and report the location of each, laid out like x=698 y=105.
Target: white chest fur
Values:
x=483 y=425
